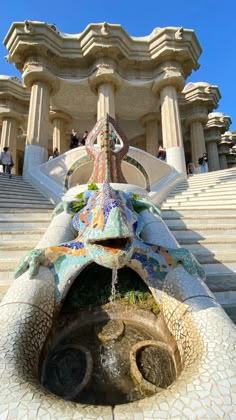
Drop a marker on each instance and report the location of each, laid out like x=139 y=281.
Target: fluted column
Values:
x=213 y=138
x=106 y=100
x=37 y=131
x=217 y=143
x=59 y=121
x=198 y=145
x=223 y=161
x=8 y=138
x=150 y=121
x=42 y=84
x=223 y=150
x=171 y=129
x=213 y=156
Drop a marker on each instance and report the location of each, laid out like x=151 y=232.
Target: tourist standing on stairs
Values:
x=203 y=162
x=7 y=162
x=74 y=139
x=83 y=140
x=161 y=154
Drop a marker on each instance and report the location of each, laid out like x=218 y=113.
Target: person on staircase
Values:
x=203 y=162
x=161 y=154
x=83 y=140
x=7 y=161
x=74 y=139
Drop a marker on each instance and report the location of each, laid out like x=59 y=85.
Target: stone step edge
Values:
x=199 y=216
x=201 y=228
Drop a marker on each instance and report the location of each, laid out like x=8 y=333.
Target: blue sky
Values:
x=212 y=20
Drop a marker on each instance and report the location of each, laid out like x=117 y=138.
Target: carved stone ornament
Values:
x=207 y=89
x=16 y=79
x=105 y=29
x=155 y=31
x=179 y=33
x=28 y=28
x=32 y=60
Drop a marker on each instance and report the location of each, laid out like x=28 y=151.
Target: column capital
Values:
x=57 y=114
x=219 y=120
x=9 y=114
x=150 y=117
x=223 y=148
x=198 y=115
x=37 y=72
x=105 y=73
x=170 y=75
x=212 y=134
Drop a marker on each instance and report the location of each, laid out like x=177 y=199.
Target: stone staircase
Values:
x=24 y=216
x=201 y=215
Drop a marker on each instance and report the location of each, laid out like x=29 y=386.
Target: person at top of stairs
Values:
x=203 y=162
x=7 y=162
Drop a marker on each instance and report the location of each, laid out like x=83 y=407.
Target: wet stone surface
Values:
x=65 y=371
x=110 y=382
x=156 y=366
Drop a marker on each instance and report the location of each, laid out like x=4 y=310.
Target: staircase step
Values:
x=199 y=206
x=226 y=298
x=7 y=227
x=201 y=200
x=202 y=218
x=199 y=214
x=13 y=245
x=24 y=217
x=210 y=258
x=221 y=277
x=29 y=204
x=196 y=225
x=231 y=311
x=22 y=235
x=223 y=190
x=25 y=200
x=185 y=237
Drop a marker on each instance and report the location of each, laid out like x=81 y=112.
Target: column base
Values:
x=34 y=156
x=176 y=158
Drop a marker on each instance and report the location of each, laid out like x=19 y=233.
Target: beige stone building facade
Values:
x=70 y=81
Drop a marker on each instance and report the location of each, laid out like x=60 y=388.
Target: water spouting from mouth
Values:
x=114 y=280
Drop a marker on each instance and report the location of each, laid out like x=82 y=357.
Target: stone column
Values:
x=217 y=148
x=59 y=121
x=223 y=148
x=42 y=84
x=106 y=100
x=105 y=85
x=213 y=138
x=198 y=145
x=213 y=156
x=37 y=132
x=197 y=117
x=223 y=159
x=150 y=121
x=171 y=129
x=8 y=138
x=36 y=151
x=104 y=82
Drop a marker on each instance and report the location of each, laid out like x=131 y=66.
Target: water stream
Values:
x=114 y=280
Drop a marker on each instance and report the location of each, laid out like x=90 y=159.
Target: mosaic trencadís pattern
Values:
x=107 y=159
x=108 y=234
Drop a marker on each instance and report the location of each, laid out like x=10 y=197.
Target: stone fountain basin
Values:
x=155 y=370
x=112 y=324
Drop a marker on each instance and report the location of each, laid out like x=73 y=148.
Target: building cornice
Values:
x=109 y=39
